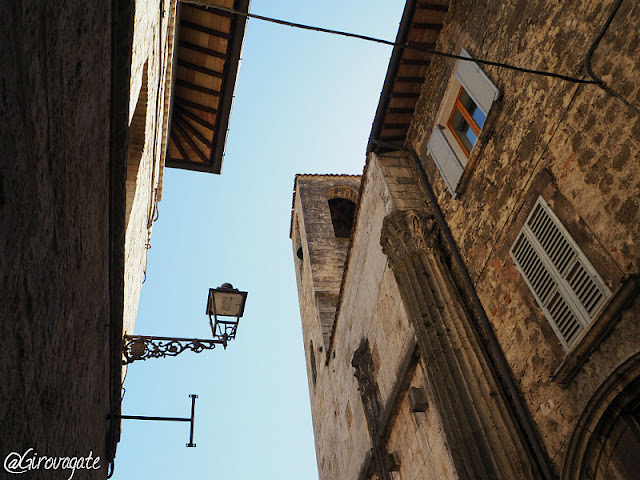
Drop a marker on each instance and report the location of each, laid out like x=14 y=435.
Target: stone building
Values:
x=470 y=304
x=97 y=97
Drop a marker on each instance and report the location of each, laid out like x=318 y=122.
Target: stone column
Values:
x=480 y=429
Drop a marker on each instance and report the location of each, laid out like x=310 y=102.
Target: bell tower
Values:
x=321 y=226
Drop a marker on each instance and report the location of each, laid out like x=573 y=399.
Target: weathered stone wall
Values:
x=54 y=181
x=574 y=145
x=54 y=217
x=371 y=308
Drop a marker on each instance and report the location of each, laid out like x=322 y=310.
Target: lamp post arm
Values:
x=141 y=347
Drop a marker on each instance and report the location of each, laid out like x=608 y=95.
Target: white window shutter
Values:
x=445 y=159
x=561 y=278
x=476 y=83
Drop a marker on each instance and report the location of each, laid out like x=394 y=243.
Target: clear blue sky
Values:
x=304 y=103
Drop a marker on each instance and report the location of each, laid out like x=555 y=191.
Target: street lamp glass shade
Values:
x=226 y=301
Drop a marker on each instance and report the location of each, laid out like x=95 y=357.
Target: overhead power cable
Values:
x=592 y=50
x=406 y=46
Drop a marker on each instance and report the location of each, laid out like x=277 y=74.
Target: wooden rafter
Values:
x=191 y=143
x=198 y=68
x=427 y=45
x=195 y=105
x=407 y=79
x=405 y=94
x=186 y=125
x=194 y=117
x=395 y=138
x=201 y=49
x=178 y=144
x=427 y=26
x=400 y=110
x=198 y=88
x=415 y=61
x=396 y=126
x=434 y=7
x=203 y=29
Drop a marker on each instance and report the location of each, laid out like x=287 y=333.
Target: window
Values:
x=466 y=121
x=461 y=118
x=564 y=283
x=342 y=211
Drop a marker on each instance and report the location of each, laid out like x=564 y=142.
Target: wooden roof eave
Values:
x=229 y=78
x=406 y=72
x=394 y=62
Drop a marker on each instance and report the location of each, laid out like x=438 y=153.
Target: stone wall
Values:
x=576 y=146
x=54 y=229
x=371 y=309
x=55 y=219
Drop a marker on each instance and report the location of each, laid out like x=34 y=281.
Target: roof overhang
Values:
x=420 y=26
x=206 y=66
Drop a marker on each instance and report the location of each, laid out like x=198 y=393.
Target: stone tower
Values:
x=324 y=208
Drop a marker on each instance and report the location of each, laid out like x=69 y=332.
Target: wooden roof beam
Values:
x=178 y=144
x=194 y=117
x=415 y=61
x=399 y=110
x=199 y=88
x=198 y=106
x=203 y=5
x=203 y=29
x=198 y=68
x=186 y=125
x=191 y=143
x=405 y=94
x=427 y=45
x=199 y=48
x=434 y=7
x=395 y=126
x=395 y=138
x=427 y=26
x=405 y=79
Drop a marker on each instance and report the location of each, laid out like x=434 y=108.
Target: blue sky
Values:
x=304 y=103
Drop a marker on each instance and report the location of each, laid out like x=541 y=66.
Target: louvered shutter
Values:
x=563 y=281
x=476 y=83
x=445 y=159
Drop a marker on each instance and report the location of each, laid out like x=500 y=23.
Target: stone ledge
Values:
x=597 y=331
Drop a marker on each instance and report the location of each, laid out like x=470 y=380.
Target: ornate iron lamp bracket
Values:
x=141 y=347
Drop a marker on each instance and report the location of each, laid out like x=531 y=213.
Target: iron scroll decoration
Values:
x=141 y=347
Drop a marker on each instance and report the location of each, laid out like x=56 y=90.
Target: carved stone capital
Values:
x=408 y=232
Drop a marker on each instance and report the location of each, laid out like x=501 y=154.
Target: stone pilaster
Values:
x=370 y=395
x=480 y=429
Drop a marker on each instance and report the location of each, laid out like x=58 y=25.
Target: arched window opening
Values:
x=342 y=213
x=299 y=253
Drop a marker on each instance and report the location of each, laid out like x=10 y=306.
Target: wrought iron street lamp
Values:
x=224 y=301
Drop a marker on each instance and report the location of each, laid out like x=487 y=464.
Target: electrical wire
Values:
x=406 y=46
x=592 y=50
x=595 y=80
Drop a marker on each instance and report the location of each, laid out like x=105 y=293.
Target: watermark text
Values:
x=30 y=460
